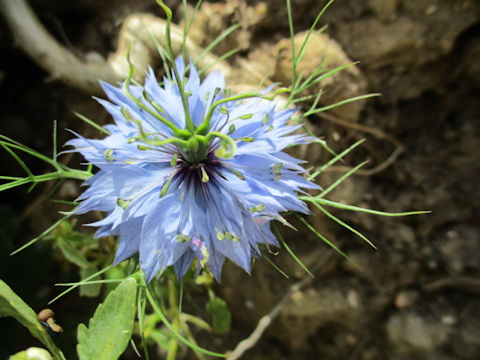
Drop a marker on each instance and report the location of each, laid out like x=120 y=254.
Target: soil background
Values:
x=417 y=295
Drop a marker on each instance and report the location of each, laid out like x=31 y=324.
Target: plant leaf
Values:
x=218 y=308
x=12 y=305
x=110 y=328
x=71 y=253
x=90 y=290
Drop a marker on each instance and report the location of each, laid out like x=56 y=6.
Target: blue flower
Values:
x=202 y=183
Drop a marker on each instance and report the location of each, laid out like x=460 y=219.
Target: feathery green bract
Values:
x=80 y=283
x=61 y=171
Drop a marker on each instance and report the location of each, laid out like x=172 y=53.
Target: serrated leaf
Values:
x=110 y=328
x=218 y=309
x=12 y=305
x=90 y=290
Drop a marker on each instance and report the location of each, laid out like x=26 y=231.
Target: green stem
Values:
x=56 y=175
x=172 y=299
x=169 y=326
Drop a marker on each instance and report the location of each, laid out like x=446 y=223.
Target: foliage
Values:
x=110 y=328
x=12 y=305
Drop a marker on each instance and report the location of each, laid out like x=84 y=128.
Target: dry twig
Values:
x=323 y=266
x=379 y=134
x=137 y=32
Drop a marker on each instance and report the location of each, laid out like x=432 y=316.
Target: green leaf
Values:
x=33 y=353
x=90 y=290
x=169 y=326
x=161 y=338
x=71 y=252
x=218 y=309
x=12 y=305
x=110 y=328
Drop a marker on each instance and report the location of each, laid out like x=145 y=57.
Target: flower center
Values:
x=201 y=171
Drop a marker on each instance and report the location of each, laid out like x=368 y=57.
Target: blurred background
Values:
x=417 y=295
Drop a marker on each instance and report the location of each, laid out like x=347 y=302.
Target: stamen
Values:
x=183 y=238
x=223 y=109
x=236 y=172
x=247 y=139
x=277 y=169
x=173 y=162
x=205 y=177
x=123 y=203
x=257 y=208
x=167 y=184
x=230 y=236
x=109 y=155
x=265 y=119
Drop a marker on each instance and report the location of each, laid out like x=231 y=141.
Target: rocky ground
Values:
x=417 y=295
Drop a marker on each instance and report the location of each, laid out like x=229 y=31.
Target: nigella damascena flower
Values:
x=198 y=176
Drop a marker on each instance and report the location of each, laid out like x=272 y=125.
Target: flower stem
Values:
x=172 y=299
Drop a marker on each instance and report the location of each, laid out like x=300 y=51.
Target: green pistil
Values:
x=228 y=145
x=195 y=149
